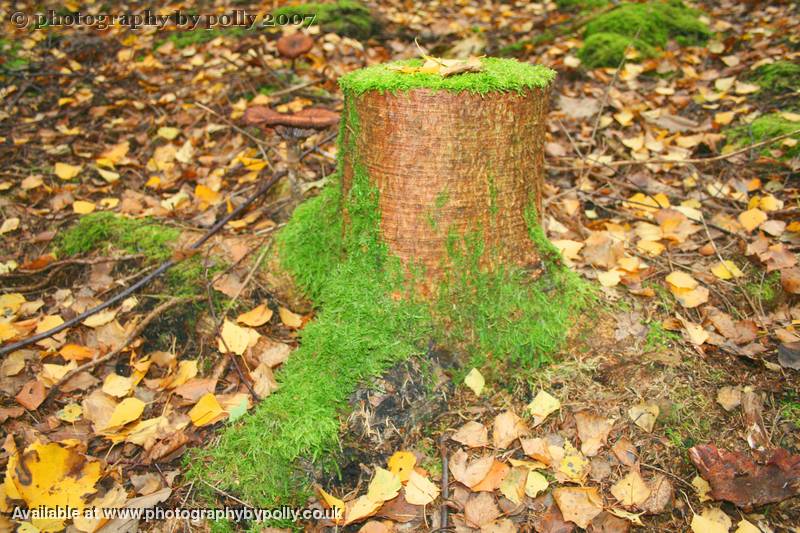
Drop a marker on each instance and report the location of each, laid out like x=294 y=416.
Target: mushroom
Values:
x=294 y=45
x=310 y=118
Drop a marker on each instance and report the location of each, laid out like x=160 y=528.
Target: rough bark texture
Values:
x=448 y=161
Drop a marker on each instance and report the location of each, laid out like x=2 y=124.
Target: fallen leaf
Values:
x=789 y=355
x=573 y=466
x=481 y=510
x=474 y=380
x=593 y=431
x=752 y=218
x=290 y=319
x=729 y=397
x=702 y=487
x=359 y=509
x=125 y=412
x=726 y=270
x=507 y=428
x=662 y=493
x=631 y=490
x=31 y=395
x=384 y=486
x=66 y=171
x=542 y=406
x=578 y=504
x=81 y=207
x=70 y=413
x=735 y=477
x=9 y=225
x=402 y=464
x=206 y=411
x=535 y=484
x=644 y=415
x=469 y=473
x=491 y=482
x=256 y=317
x=236 y=339
x=513 y=484
x=472 y=435
x=711 y=520
x=420 y=490
x=538 y=449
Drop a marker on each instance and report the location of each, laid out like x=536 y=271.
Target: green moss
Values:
x=767 y=289
x=609 y=49
x=654 y=23
x=779 y=76
x=763 y=128
x=345 y=17
x=498 y=75
x=10 y=59
x=659 y=337
x=790 y=408
x=581 y=5
x=369 y=319
x=102 y=230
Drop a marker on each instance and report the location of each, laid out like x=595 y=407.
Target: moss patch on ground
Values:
x=10 y=59
x=103 y=231
x=370 y=318
x=507 y=75
x=778 y=76
x=643 y=27
x=345 y=17
x=581 y=4
x=765 y=127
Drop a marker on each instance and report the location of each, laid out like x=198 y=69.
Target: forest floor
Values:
x=122 y=147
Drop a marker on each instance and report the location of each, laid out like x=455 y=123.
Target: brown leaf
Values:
x=662 y=494
x=399 y=510
x=606 y=522
x=537 y=449
x=593 y=431
x=507 y=428
x=472 y=435
x=491 y=482
x=10 y=412
x=196 y=388
x=469 y=473
x=552 y=521
x=625 y=451
x=31 y=395
x=790 y=280
x=481 y=510
x=789 y=355
x=736 y=478
x=752 y=407
x=578 y=504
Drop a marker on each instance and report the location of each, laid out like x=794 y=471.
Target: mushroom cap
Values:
x=310 y=118
x=294 y=45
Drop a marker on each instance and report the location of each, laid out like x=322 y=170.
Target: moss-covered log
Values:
x=449 y=157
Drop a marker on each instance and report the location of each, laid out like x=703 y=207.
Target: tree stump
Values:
x=451 y=157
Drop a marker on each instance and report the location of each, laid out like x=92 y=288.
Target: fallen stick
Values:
x=140 y=327
x=695 y=161
x=147 y=279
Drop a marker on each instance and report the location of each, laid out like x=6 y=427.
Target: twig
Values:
x=445 y=483
x=64 y=262
x=140 y=327
x=695 y=161
x=150 y=277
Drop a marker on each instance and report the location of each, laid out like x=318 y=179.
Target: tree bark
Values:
x=450 y=163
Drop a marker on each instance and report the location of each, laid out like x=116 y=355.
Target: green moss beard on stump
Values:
x=370 y=318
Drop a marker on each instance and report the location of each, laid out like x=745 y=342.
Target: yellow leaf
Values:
x=644 y=415
x=48 y=322
x=114 y=154
x=53 y=475
x=573 y=465
x=76 y=352
x=66 y=171
x=289 y=319
x=332 y=501
x=542 y=406
x=624 y=117
x=168 y=133
x=207 y=195
x=726 y=270
x=610 y=278
x=631 y=489
x=711 y=520
x=235 y=338
x=9 y=225
x=384 y=486
x=125 y=412
x=746 y=527
x=256 y=317
x=691 y=298
x=81 y=207
x=420 y=490
x=402 y=464
x=206 y=411
x=752 y=218
x=513 y=485
x=117 y=386
x=107 y=175
x=535 y=484
x=187 y=369
x=359 y=509
x=70 y=413
x=681 y=280
x=702 y=487
x=10 y=303
x=724 y=118
x=474 y=380
x=100 y=319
